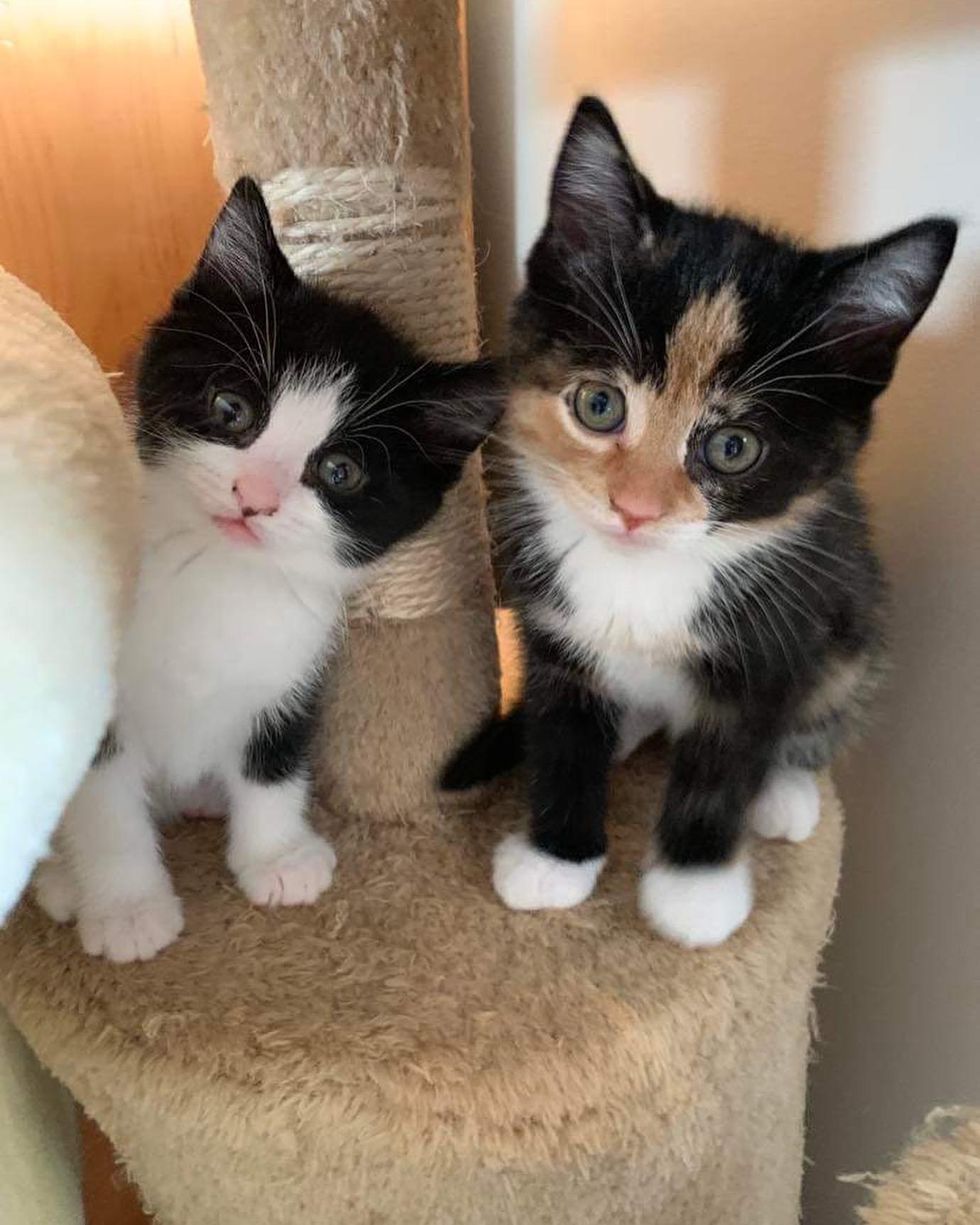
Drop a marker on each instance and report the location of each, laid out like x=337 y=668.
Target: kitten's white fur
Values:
x=697 y=907
x=788 y=806
x=630 y=607
x=526 y=878
x=220 y=631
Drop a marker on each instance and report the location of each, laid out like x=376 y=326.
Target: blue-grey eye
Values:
x=599 y=407
x=231 y=412
x=338 y=473
x=732 y=450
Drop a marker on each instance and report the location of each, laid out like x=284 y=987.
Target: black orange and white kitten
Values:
x=685 y=545
x=288 y=439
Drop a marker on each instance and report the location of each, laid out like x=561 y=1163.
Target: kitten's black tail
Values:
x=497 y=747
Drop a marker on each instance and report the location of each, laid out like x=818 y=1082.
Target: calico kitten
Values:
x=288 y=440
x=683 y=536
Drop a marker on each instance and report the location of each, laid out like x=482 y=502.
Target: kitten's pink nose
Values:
x=256 y=494
x=635 y=509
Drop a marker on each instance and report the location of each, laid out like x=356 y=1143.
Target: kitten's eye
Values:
x=599 y=407
x=339 y=473
x=732 y=450
x=231 y=412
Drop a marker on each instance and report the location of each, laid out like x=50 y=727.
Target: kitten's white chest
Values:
x=631 y=614
x=212 y=642
x=642 y=601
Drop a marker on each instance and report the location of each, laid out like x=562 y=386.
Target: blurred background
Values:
x=835 y=120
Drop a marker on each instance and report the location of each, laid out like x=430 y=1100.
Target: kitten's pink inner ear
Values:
x=257 y=494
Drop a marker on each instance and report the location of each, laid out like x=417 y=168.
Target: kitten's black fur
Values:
x=279 y=746
x=822 y=330
x=244 y=321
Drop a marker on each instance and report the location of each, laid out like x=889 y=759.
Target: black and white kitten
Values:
x=288 y=440
x=685 y=544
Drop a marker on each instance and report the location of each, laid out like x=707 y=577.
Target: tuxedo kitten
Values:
x=683 y=537
x=288 y=440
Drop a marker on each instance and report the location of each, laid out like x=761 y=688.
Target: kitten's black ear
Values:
x=872 y=296
x=597 y=194
x=241 y=249
x=458 y=408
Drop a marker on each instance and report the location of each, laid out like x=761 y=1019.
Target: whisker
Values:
x=615 y=345
x=761 y=365
x=358 y=416
x=221 y=311
x=829 y=343
x=627 y=310
x=215 y=340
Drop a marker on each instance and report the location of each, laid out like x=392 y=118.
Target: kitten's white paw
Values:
x=55 y=890
x=528 y=879
x=788 y=806
x=697 y=907
x=133 y=930
x=294 y=877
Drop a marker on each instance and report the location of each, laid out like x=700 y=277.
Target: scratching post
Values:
x=408 y=1051
x=353 y=118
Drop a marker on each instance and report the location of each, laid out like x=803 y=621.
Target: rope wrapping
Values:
x=390 y=237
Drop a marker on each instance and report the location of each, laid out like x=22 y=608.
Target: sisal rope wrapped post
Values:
x=353 y=118
x=408 y=1051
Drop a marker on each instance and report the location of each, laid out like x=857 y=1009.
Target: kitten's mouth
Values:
x=631 y=537
x=237 y=529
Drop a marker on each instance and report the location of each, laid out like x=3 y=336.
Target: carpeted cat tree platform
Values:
x=408 y=1051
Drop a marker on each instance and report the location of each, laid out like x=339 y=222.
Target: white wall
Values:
x=835 y=119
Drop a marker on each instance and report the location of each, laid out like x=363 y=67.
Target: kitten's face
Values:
x=281 y=422
x=676 y=372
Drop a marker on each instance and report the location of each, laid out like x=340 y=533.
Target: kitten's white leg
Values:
x=530 y=879
x=788 y=806
x=127 y=908
x=55 y=890
x=277 y=858
x=697 y=907
x=635 y=726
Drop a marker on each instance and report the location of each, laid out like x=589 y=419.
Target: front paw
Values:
x=133 y=929
x=697 y=907
x=528 y=879
x=295 y=876
x=787 y=807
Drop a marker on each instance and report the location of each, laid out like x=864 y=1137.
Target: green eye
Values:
x=732 y=450
x=599 y=407
x=231 y=412
x=338 y=473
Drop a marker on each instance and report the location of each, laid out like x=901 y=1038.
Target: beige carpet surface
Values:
x=410 y=1019
x=936 y=1180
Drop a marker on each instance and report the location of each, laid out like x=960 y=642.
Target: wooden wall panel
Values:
x=106 y=189
x=106 y=194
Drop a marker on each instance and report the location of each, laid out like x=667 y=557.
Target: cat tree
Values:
x=409 y=1051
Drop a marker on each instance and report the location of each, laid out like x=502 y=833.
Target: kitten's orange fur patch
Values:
x=649 y=455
